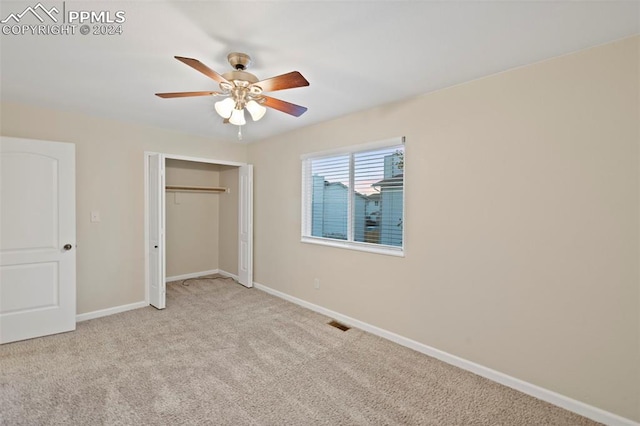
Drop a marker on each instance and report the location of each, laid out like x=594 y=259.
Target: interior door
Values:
x=245 y=226
x=38 y=238
x=157 y=285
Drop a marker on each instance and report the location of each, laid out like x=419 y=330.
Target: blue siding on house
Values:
x=329 y=209
x=392 y=205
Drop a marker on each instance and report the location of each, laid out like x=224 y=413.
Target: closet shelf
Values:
x=185 y=188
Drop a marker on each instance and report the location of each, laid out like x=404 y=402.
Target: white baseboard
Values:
x=191 y=275
x=123 y=308
x=549 y=396
x=228 y=274
x=110 y=311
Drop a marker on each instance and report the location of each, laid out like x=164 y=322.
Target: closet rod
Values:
x=196 y=188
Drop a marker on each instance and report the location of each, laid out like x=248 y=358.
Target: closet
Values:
x=199 y=221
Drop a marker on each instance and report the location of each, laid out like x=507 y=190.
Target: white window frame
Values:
x=307 y=196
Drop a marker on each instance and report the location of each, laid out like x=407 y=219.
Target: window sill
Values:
x=370 y=248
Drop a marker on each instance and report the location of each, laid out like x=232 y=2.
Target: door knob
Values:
x=67 y=247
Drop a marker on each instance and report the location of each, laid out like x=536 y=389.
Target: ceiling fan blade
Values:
x=186 y=94
x=285 y=81
x=283 y=106
x=199 y=66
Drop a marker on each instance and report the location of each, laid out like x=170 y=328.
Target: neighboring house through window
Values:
x=354 y=197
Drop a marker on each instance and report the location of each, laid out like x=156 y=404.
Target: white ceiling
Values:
x=355 y=54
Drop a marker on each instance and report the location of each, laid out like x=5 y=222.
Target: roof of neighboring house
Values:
x=393 y=181
x=327 y=183
x=340 y=184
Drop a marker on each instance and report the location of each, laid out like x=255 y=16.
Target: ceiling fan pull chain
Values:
x=239 y=133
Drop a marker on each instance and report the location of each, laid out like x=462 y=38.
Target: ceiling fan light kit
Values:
x=256 y=110
x=237 y=117
x=225 y=107
x=242 y=90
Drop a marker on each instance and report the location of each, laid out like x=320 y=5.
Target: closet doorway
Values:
x=198 y=220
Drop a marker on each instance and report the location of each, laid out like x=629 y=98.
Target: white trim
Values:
x=305 y=225
x=123 y=308
x=110 y=311
x=228 y=274
x=191 y=275
x=146 y=226
x=354 y=245
x=549 y=396
x=202 y=160
x=386 y=143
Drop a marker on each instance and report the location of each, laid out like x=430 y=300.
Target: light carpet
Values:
x=221 y=354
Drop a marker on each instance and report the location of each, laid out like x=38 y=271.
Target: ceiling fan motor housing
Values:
x=240 y=76
x=239 y=61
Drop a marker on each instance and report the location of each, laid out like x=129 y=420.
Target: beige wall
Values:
x=522 y=224
x=192 y=218
x=109 y=178
x=228 y=247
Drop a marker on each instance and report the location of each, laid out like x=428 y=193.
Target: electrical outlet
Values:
x=95 y=216
x=316 y=283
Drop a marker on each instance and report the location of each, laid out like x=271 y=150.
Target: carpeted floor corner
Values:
x=222 y=354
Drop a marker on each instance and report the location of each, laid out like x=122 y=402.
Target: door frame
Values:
x=166 y=156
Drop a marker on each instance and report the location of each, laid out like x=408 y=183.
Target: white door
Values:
x=157 y=285
x=37 y=238
x=245 y=225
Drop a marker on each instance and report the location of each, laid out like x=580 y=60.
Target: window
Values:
x=354 y=198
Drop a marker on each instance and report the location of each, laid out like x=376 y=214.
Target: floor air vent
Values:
x=339 y=326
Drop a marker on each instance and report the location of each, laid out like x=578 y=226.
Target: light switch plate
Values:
x=95 y=216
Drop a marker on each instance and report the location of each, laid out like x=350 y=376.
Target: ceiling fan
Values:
x=242 y=89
